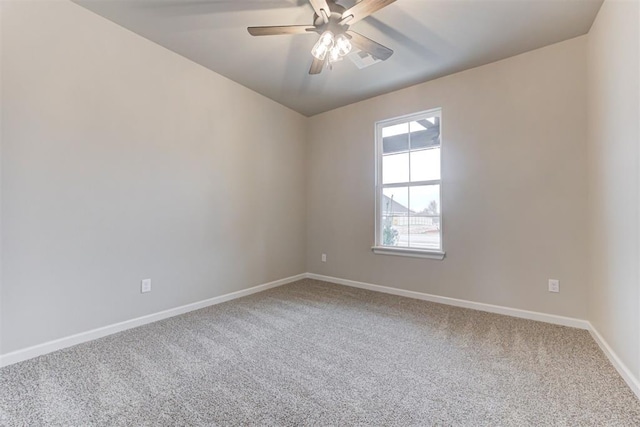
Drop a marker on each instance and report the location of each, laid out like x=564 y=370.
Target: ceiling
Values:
x=430 y=39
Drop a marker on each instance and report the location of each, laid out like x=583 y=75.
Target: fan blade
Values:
x=363 y=9
x=316 y=66
x=285 y=29
x=319 y=5
x=367 y=45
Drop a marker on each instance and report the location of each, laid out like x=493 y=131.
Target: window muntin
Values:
x=408 y=187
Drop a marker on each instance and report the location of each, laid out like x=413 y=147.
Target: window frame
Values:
x=378 y=248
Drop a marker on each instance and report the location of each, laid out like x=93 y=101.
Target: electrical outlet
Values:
x=145 y=286
x=554 y=285
x=324 y=257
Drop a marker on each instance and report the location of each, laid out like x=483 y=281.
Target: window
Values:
x=408 y=190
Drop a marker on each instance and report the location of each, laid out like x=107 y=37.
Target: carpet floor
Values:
x=313 y=353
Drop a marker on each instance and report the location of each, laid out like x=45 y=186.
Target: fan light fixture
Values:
x=336 y=47
x=333 y=22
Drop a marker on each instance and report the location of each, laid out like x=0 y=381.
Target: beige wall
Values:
x=514 y=184
x=122 y=160
x=614 y=138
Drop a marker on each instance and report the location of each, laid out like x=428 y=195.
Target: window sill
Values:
x=408 y=252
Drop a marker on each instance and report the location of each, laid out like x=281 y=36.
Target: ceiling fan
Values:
x=332 y=21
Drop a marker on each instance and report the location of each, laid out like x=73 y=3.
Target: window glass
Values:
x=425 y=164
x=424 y=223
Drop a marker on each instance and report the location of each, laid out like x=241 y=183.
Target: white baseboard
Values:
x=498 y=309
x=623 y=370
x=59 y=344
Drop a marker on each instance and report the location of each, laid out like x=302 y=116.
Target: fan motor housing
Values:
x=336 y=14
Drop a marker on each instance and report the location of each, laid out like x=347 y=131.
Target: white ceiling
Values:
x=430 y=38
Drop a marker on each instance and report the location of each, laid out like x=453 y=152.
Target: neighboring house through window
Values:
x=408 y=188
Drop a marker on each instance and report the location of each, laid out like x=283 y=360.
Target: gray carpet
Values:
x=312 y=353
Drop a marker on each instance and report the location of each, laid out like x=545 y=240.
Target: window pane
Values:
x=424 y=227
x=395 y=168
x=394 y=226
x=425 y=133
x=425 y=164
x=395 y=138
